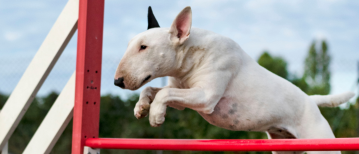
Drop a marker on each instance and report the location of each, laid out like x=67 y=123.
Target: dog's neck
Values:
x=189 y=58
x=201 y=51
x=192 y=54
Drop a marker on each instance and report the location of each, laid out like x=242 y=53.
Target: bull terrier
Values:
x=212 y=75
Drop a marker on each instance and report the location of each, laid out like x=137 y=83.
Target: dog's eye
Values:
x=143 y=47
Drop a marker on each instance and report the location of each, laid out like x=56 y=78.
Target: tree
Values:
x=316 y=78
x=317 y=73
x=301 y=83
x=344 y=122
x=276 y=65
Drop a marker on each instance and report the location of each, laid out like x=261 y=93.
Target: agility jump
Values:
x=83 y=93
x=173 y=144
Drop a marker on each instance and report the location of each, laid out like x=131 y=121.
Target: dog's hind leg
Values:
x=316 y=127
x=281 y=134
x=321 y=130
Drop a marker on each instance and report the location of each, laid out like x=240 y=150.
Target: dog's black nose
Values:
x=119 y=82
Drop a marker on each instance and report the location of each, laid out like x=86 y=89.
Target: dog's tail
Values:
x=332 y=100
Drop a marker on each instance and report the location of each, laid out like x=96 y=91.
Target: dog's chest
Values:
x=183 y=84
x=233 y=115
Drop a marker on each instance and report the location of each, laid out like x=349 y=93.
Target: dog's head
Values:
x=152 y=53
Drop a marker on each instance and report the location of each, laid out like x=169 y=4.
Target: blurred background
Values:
x=313 y=44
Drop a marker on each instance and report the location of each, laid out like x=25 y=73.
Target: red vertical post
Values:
x=88 y=73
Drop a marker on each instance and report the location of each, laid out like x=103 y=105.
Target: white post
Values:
x=55 y=121
x=5 y=149
x=39 y=68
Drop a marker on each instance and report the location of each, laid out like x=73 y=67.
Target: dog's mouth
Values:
x=142 y=83
x=146 y=79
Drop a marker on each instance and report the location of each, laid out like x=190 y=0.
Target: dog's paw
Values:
x=142 y=108
x=157 y=115
x=156 y=120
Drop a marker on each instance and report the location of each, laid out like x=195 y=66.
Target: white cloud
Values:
x=12 y=36
x=320 y=35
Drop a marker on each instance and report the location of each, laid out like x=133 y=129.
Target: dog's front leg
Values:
x=143 y=105
x=194 y=98
x=202 y=99
x=202 y=96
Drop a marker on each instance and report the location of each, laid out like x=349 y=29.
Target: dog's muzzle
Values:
x=119 y=82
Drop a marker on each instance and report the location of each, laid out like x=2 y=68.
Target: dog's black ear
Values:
x=152 y=22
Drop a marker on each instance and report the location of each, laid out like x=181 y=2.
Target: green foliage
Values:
x=30 y=122
x=316 y=78
x=300 y=83
x=117 y=121
x=3 y=99
x=276 y=65
x=347 y=125
x=317 y=72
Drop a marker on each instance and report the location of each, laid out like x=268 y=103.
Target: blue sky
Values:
x=285 y=28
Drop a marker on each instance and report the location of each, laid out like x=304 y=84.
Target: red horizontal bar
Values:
x=338 y=144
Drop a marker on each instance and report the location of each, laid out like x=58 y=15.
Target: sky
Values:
x=284 y=28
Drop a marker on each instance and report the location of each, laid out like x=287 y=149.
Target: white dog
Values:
x=211 y=74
